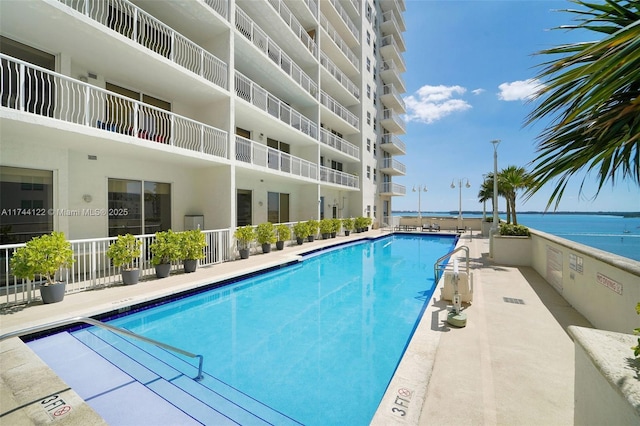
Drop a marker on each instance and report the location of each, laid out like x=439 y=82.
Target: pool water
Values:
x=317 y=341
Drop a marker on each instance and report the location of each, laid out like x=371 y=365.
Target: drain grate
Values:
x=512 y=300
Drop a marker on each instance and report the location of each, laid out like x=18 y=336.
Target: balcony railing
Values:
x=389 y=89
x=390 y=115
x=252 y=152
x=390 y=40
x=342 y=45
x=313 y=7
x=396 y=20
x=259 y=38
x=219 y=6
x=137 y=25
x=32 y=89
x=391 y=139
x=295 y=26
x=339 y=75
x=338 y=143
x=346 y=19
x=392 y=188
x=339 y=110
x=260 y=98
x=338 y=177
x=92 y=268
x=391 y=163
x=390 y=67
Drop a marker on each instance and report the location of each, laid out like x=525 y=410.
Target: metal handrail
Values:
x=436 y=266
x=100 y=324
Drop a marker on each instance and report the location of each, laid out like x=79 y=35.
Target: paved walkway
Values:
x=513 y=364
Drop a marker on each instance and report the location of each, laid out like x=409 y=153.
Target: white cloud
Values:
x=478 y=91
x=519 y=90
x=432 y=103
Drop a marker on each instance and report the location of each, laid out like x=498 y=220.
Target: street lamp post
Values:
x=453 y=186
x=420 y=189
x=494 y=224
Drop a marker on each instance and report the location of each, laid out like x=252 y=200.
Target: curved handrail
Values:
x=436 y=266
x=100 y=324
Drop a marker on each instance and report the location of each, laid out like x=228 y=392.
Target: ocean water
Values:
x=615 y=234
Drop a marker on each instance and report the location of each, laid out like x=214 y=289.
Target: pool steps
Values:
x=123 y=371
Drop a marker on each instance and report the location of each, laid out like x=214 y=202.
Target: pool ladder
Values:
x=101 y=324
x=437 y=267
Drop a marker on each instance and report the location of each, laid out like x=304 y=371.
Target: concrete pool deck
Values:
x=512 y=364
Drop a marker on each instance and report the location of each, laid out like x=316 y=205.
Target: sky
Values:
x=470 y=72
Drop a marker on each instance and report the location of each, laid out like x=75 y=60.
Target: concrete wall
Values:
x=602 y=286
x=446 y=223
x=508 y=250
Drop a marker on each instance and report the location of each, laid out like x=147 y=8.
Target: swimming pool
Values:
x=317 y=341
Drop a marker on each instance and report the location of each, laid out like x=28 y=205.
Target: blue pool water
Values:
x=318 y=341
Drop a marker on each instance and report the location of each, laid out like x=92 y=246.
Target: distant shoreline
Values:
x=455 y=213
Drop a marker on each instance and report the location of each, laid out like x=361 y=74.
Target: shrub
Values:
x=347 y=224
x=165 y=247
x=326 y=227
x=312 y=226
x=509 y=229
x=124 y=251
x=283 y=231
x=245 y=235
x=266 y=233
x=192 y=245
x=301 y=230
x=42 y=256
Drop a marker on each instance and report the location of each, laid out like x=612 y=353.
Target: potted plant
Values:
x=358 y=223
x=266 y=235
x=335 y=227
x=123 y=252
x=512 y=246
x=326 y=227
x=192 y=245
x=367 y=223
x=44 y=256
x=347 y=225
x=165 y=249
x=245 y=236
x=283 y=234
x=302 y=231
x=312 y=226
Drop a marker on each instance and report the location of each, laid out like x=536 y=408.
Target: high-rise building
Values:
x=136 y=116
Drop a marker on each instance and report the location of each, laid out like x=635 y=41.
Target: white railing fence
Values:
x=255 y=153
x=92 y=268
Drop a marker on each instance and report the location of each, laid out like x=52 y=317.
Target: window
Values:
x=147 y=206
x=277 y=207
x=369 y=12
x=368 y=38
x=374 y=124
x=368 y=117
x=375 y=175
x=368 y=64
x=368 y=144
x=368 y=91
x=375 y=48
x=374 y=148
x=27 y=196
x=368 y=172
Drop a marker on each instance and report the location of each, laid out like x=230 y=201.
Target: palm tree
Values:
x=592 y=94
x=512 y=179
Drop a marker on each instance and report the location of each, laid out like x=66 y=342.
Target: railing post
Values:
x=93 y=270
x=21 y=86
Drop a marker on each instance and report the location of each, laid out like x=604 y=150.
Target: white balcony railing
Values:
x=295 y=26
x=137 y=25
x=32 y=89
x=389 y=89
x=395 y=20
x=389 y=114
x=339 y=75
x=259 y=38
x=219 y=6
x=390 y=41
x=342 y=45
x=335 y=107
x=389 y=138
x=392 y=188
x=249 y=91
x=257 y=154
x=338 y=143
x=391 y=163
x=346 y=19
x=338 y=177
x=313 y=7
x=92 y=268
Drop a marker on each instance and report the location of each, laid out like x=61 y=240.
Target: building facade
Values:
x=136 y=116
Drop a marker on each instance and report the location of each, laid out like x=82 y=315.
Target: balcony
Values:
x=256 y=154
x=336 y=108
x=392 y=189
x=393 y=167
x=391 y=51
x=137 y=25
x=338 y=178
x=390 y=74
x=340 y=144
x=393 y=145
x=392 y=122
x=391 y=26
x=249 y=91
x=31 y=89
x=305 y=10
x=271 y=50
x=339 y=76
x=391 y=98
x=396 y=5
x=334 y=11
x=295 y=26
x=340 y=52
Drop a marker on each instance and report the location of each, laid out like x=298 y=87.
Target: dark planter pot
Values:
x=333 y=235
x=244 y=253
x=325 y=236
x=346 y=233
x=190 y=265
x=163 y=270
x=310 y=238
x=300 y=241
x=130 y=276
x=53 y=293
x=266 y=248
x=280 y=245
